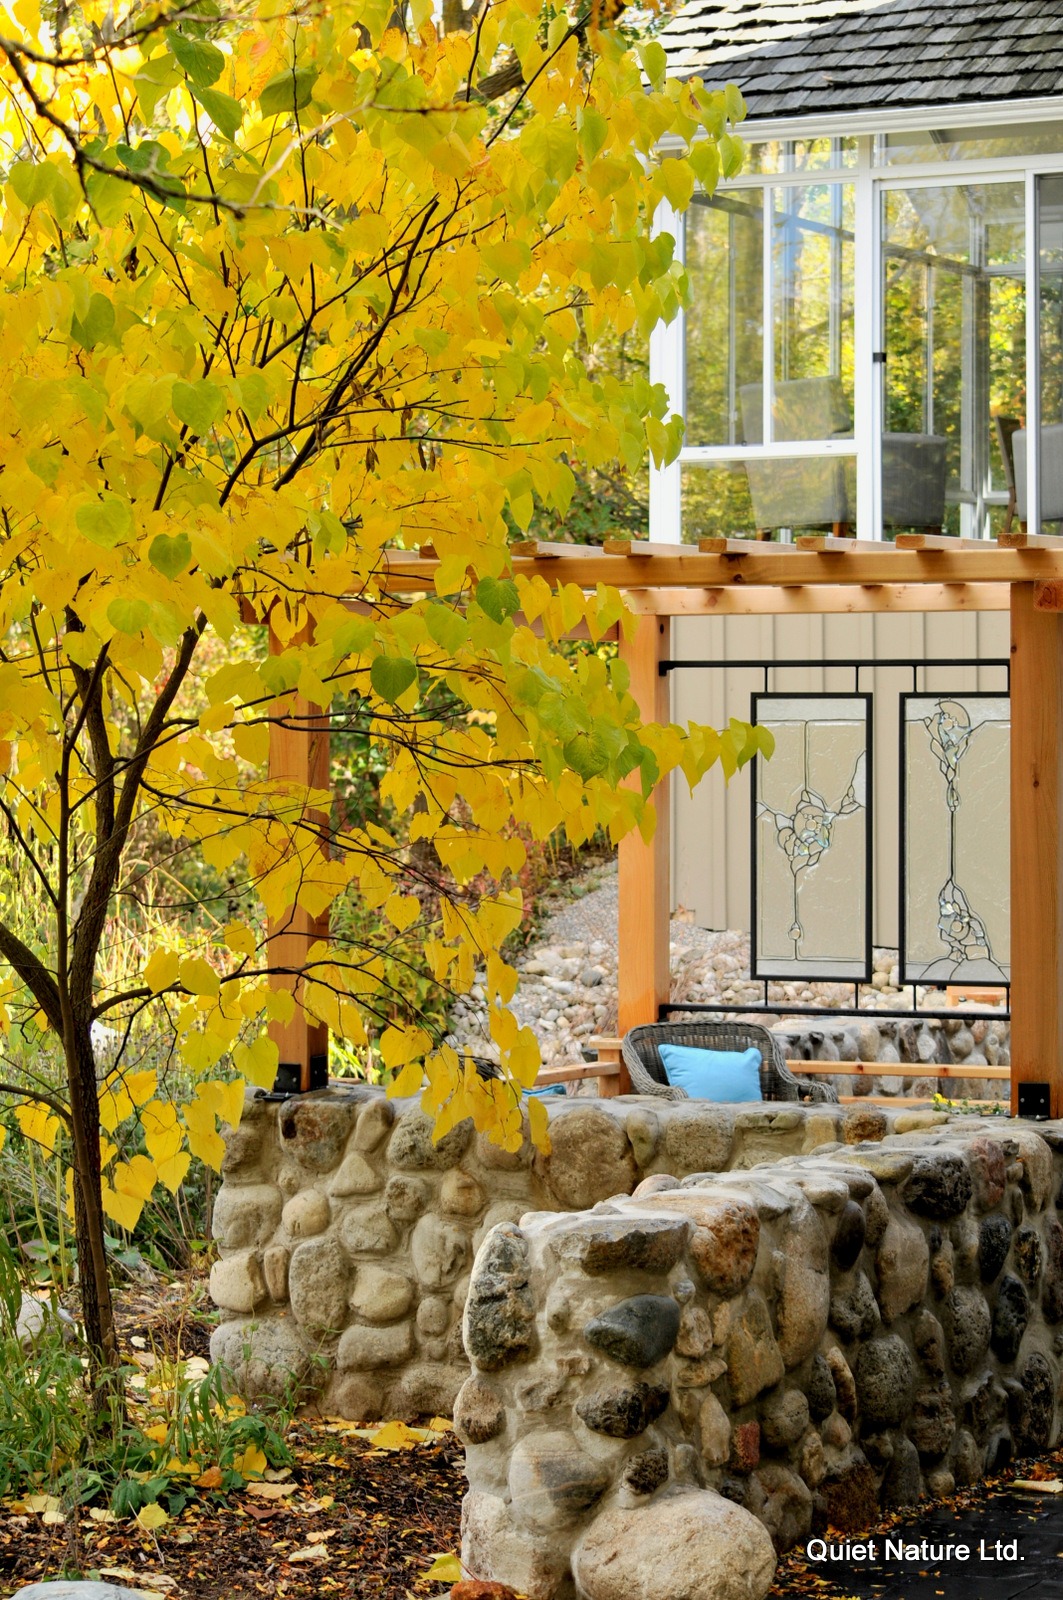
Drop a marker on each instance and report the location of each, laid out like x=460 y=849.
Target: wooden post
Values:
x=1036 y=846
x=644 y=977
x=299 y=755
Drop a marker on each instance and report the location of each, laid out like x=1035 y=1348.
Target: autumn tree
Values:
x=284 y=295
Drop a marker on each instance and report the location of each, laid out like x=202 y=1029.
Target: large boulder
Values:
x=697 y=1545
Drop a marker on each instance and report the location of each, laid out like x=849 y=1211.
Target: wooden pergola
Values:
x=815 y=575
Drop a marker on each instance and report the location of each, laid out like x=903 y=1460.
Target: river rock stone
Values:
x=79 y=1589
x=885 y=1379
x=246 y=1216
x=994 y=1242
x=932 y=1423
x=1038 y=1385
x=695 y=1332
x=966 y=1458
x=928 y=1336
x=902 y=1484
x=637 y=1332
x=644 y=1131
x=591 y=1159
x=644 y=1474
x=314 y=1130
x=479 y=1414
x=355 y=1175
x=613 y=1244
x=318 y=1275
x=368 y=1231
x=853 y=1311
x=439 y=1250
x=844 y=1383
x=803 y=1287
x=902 y=1264
x=1052 y=1294
x=500 y=1308
x=306 y=1214
x=724 y=1245
x=1010 y=1316
x=275 y=1272
x=405 y=1198
x=236 y=1284
x=413 y=1149
x=940 y=1185
x=862 y=1123
x=714 y=1431
x=692 y=1142
x=623 y=1413
x=1035 y=1163
x=754 y=1361
x=820 y=1390
x=695 y=1544
x=968 y=1326
x=380 y=1296
x=370 y=1348
x=460 y=1195
x=988 y=1169
x=552 y=1481
x=849 y=1234
x=784 y=1418
x=1029 y=1257
x=787 y=1510
x=374 y=1124
x=491 y=1541
x=266 y=1360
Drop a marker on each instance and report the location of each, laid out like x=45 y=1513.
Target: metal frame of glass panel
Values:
x=805 y=835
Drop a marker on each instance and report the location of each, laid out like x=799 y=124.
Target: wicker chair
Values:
x=641 y=1051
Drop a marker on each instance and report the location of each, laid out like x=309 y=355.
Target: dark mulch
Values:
x=378 y=1518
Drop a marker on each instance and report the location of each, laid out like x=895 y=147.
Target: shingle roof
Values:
x=847 y=55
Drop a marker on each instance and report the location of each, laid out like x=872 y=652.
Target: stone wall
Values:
x=669 y=1384
x=346 y=1237
x=956 y=1041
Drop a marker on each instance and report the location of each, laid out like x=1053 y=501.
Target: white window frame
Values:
x=870 y=181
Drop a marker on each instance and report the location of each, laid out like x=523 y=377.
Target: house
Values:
x=874 y=346
x=878 y=296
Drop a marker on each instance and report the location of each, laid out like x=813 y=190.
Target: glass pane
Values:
x=780 y=496
x=811 y=841
x=725 y=323
x=812 y=311
x=954 y=308
x=957 y=893
x=799 y=155
x=968 y=144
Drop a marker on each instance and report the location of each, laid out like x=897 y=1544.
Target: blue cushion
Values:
x=547 y=1088
x=726 y=1076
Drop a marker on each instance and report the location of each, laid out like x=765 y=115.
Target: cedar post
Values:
x=298 y=755
x=644 y=976
x=1036 y=846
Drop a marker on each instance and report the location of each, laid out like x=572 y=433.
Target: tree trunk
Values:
x=97 y=1308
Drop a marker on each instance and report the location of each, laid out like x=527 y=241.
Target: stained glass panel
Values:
x=955 y=883
x=811 y=839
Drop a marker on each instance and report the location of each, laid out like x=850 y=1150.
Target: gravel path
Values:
x=567 y=993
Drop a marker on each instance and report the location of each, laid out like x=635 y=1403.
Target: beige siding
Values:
x=710 y=828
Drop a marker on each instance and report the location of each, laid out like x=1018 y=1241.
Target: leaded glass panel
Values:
x=812 y=838
x=955 y=880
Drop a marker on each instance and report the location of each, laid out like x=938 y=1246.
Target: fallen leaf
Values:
x=101 y=1514
x=312 y=1552
x=152 y=1516
x=1038 y=1486
x=211 y=1479
x=39 y=1503
x=272 y=1491
x=250 y=1463
x=444 y=1569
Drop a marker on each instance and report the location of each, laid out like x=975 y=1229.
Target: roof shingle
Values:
x=800 y=55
